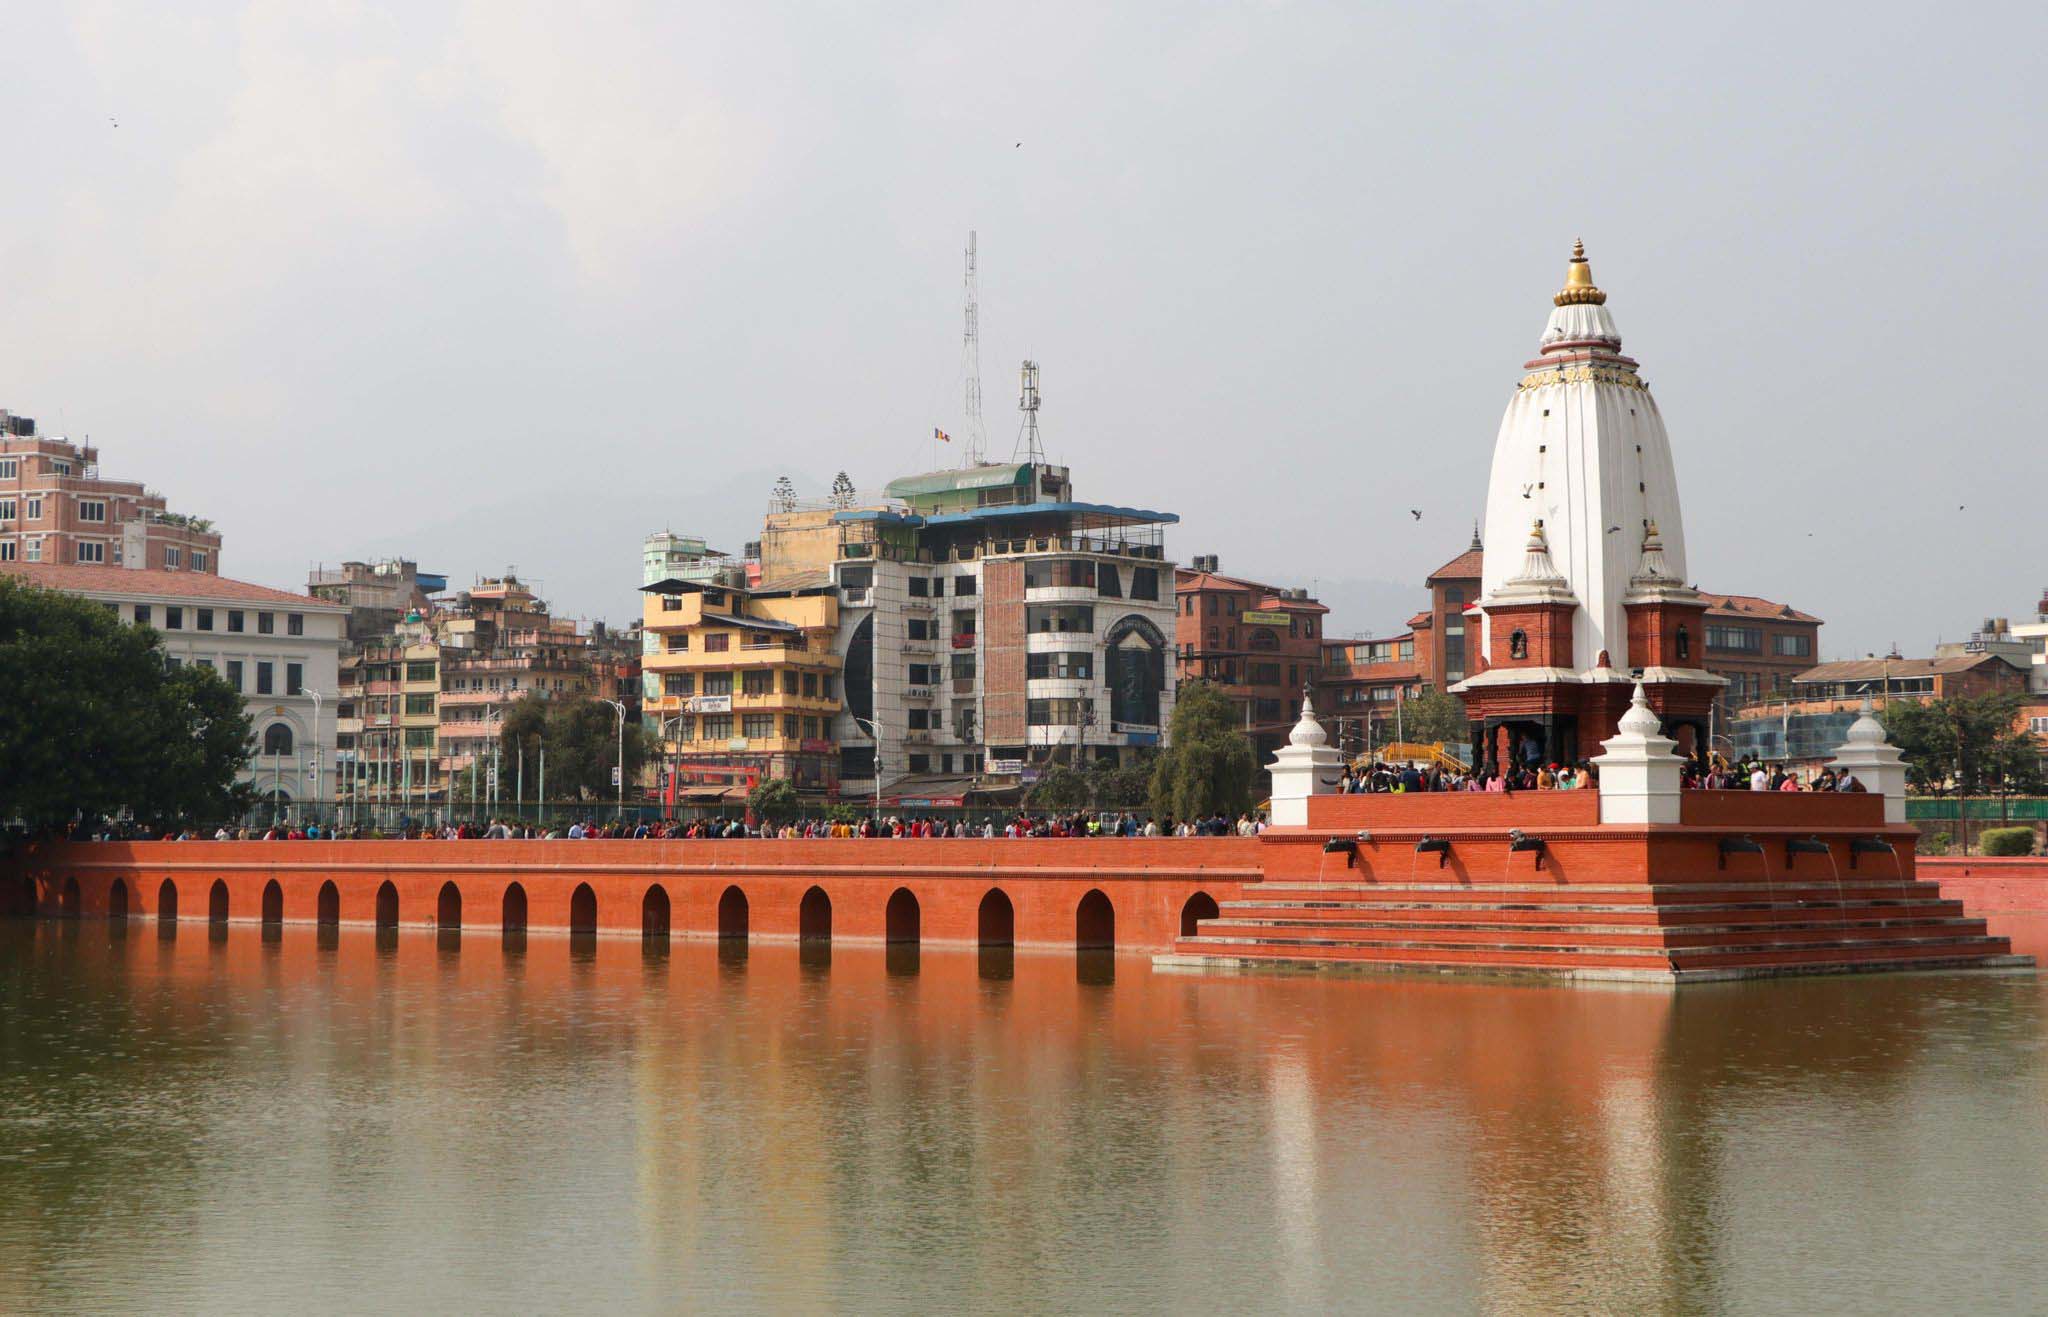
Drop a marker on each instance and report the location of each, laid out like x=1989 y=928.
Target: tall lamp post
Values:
x=876 y=733
x=620 y=707
x=316 y=742
x=666 y=723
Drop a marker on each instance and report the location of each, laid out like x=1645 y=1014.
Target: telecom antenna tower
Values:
x=1028 y=404
x=970 y=365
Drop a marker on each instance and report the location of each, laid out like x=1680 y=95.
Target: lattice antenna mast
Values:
x=1027 y=441
x=970 y=364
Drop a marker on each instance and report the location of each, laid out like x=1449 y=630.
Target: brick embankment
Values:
x=1133 y=893
x=2010 y=893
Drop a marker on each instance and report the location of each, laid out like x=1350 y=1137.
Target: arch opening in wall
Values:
x=1684 y=639
x=117 y=900
x=512 y=917
x=327 y=905
x=583 y=910
x=995 y=923
x=448 y=908
x=902 y=920
x=814 y=917
x=1518 y=644
x=273 y=903
x=167 y=902
x=1095 y=923
x=1198 y=907
x=387 y=906
x=732 y=915
x=654 y=914
x=277 y=740
x=69 y=900
x=217 y=902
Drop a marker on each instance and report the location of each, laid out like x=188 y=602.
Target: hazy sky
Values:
x=506 y=284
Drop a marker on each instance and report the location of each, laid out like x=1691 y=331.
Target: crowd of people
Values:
x=1379 y=778
x=1123 y=823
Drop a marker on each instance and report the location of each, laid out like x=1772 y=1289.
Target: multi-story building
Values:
x=1812 y=718
x=1758 y=645
x=667 y=556
x=280 y=650
x=56 y=508
x=743 y=683
x=377 y=594
x=1262 y=644
x=396 y=711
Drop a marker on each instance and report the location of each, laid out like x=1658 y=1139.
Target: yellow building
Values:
x=748 y=682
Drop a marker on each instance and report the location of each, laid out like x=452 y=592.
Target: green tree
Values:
x=774 y=800
x=1207 y=767
x=580 y=737
x=94 y=723
x=1434 y=716
x=1059 y=787
x=1972 y=744
x=1125 y=785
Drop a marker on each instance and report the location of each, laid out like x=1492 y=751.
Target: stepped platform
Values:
x=1741 y=886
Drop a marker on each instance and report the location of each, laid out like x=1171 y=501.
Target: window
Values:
x=35 y=508
x=757 y=682
x=718 y=727
x=788 y=682
x=2038 y=726
x=420 y=670
x=1266 y=711
x=277 y=739
x=810 y=685
x=920 y=587
x=7 y=508
x=1059 y=713
x=264 y=678
x=266 y=624
x=919 y=719
x=917 y=628
x=1791 y=646
x=9 y=468
x=92 y=509
x=235 y=673
x=1075 y=572
x=1740 y=639
x=1518 y=644
x=792 y=726
x=811 y=729
x=924 y=674
x=1073 y=667
x=1145 y=583
x=198 y=560
x=679 y=644
x=1059 y=617
x=963 y=622
x=757 y=726
x=60 y=466
x=1263 y=674
x=234 y=619
x=142 y=614
x=964 y=586
x=294 y=623
x=174 y=618
x=172 y=663
x=34 y=551
x=1454 y=594
x=1109 y=582
x=295 y=684
x=172 y=558
x=679 y=683
x=91 y=551
x=718 y=683
x=717 y=642
x=205 y=618
x=683 y=728
x=963 y=666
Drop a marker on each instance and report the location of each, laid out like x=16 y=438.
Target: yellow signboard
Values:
x=1259 y=618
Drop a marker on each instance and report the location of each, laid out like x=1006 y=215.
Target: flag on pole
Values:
x=941 y=435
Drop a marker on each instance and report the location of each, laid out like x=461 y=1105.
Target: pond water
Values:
x=307 y=1122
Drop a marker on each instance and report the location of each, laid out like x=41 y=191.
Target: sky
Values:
x=509 y=285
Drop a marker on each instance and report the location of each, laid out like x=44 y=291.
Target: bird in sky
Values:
x=112 y=120
x=1020 y=144
x=1415 y=514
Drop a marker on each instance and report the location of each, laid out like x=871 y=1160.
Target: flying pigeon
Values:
x=1415 y=514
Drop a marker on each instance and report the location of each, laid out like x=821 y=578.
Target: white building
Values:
x=280 y=650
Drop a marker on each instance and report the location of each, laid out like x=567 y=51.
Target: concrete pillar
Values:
x=1306 y=766
x=1870 y=757
x=1639 y=771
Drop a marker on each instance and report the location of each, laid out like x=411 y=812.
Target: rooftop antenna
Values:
x=1027 y=442
x=970 y=352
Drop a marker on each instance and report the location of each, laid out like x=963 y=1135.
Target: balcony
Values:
x=857 y=598
x=964 y=641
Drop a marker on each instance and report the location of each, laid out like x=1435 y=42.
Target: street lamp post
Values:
x=666 y=724
x=316 y=743
x=620 y=707
x=876 y=733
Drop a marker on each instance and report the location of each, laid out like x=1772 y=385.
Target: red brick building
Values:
x=1758 y=645
x=56 y=508
x=1365 y=680
x=1261 y=643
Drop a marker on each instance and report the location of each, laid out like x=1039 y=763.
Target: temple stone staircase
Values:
x=1701 y=929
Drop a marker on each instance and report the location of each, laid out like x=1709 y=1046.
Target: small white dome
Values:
x=1308 y=733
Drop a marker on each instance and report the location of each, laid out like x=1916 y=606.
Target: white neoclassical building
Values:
x=280 y=650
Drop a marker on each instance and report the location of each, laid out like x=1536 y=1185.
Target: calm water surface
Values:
x=304 y=1125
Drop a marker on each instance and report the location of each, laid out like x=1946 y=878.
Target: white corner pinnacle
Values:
x=1639 y=769
x=1869 y=756
x=1306 y=766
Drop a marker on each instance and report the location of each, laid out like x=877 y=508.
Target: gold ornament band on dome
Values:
x=1536 y=379
x=1578 y=281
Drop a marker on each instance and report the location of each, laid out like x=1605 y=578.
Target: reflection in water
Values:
x=1096 y=966
x=900 y=958
x=605 y=1124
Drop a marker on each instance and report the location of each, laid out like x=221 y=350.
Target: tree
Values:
x=580 y=736
x=1208 y=766
x=842 y=491
x=774 y=800
x=1127 y=785
x=784 y=495
x=1435 y=715
x=95 y=723
x=1059 y=787
x=1971 y=744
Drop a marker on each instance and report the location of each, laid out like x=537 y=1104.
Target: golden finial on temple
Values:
x=1578 y=280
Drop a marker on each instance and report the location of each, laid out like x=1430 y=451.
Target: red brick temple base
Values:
x=1745 y=885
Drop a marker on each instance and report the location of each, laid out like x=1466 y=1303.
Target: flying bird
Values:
x=112 y=120
x=1612 y=529
x=1020 y=144
x=1415 y=514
